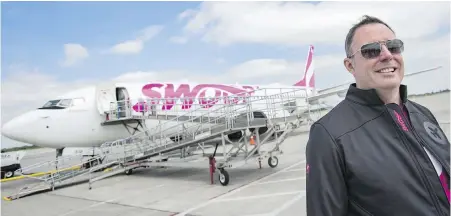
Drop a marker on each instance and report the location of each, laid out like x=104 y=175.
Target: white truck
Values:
x=10 y=162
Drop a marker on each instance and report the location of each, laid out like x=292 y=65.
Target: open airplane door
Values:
x=105 y=95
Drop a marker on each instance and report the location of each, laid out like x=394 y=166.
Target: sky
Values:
x=49 y=48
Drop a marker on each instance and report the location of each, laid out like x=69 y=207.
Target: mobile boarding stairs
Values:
x=267 y=117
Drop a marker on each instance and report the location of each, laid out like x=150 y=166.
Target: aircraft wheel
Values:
x=128 y=172
x=224 y=177
x=273 y=161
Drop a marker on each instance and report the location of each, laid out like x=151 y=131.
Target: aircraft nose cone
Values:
x=19 y=128
x=11 y=130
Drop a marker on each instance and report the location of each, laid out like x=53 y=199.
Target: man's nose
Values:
x=385 y=54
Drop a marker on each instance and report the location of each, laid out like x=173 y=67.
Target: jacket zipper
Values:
x=446 y=167
x=420 y=140
x=417 y=163
x=426 y=146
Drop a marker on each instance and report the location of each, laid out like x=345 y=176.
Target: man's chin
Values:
x=389 y=84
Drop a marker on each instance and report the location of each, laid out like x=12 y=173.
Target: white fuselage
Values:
x=76 y=122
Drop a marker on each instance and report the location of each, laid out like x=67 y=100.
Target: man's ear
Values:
x=348 y=65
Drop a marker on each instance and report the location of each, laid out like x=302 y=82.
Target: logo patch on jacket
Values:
x=434 y=132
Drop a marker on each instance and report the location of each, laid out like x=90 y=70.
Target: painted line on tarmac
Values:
x=110 y=201
x=281 y=180
x=237 y=190
x=288 y=204
x=295 y=170
x=277 y=211
x=258 y=196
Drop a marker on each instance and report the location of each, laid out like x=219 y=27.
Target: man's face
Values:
x=375 y=72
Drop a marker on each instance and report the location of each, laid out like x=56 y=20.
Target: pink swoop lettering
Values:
x=168 y=93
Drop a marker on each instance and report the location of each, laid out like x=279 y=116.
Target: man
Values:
x=376 y=152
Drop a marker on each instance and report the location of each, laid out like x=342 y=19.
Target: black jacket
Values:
x=365 y=158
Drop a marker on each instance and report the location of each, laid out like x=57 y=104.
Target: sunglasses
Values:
x=373 y=50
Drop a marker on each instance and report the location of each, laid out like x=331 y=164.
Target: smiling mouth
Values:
x=387 y=70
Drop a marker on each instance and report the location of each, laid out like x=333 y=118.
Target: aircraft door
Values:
x=105 y=97
x=123 y=100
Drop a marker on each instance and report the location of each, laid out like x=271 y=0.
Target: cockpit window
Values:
x=57 y=104
x=63 y=103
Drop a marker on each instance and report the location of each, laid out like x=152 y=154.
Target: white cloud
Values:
x=301 y=23
x=74 y=53
x=178 y=40
x=327 y=23
x=128 y=47
x=139 y=76
x=254 y=69
x=186 y=14
x=135 y=46
x=150 y=32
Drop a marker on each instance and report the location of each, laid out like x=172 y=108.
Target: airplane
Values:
x=76 y=119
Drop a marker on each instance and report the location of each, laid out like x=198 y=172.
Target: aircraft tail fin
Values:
x=308 y=79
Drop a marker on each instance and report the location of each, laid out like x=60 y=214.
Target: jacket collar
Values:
x=369 y=96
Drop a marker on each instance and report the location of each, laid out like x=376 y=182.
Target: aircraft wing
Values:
x=341 y=92
x=336 y=86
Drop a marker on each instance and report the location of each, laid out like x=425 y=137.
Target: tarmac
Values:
x=176 y=191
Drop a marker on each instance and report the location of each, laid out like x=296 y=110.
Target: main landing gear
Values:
x=224 y=176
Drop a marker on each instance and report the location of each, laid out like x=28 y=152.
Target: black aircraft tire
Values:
x=273 y=161
x=224 y=177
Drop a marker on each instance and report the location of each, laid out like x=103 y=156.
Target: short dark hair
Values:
x=366 y=19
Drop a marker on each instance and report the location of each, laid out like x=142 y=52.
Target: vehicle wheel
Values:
x=94 y=163
x=273 y=161
x=128 y=172
x=9 y=174
x=223 y=177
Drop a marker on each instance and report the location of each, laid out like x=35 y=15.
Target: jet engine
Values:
x=235 y=137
